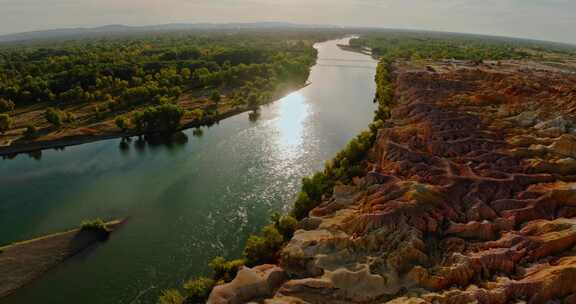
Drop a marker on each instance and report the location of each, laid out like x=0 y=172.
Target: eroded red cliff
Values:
x=471 y=199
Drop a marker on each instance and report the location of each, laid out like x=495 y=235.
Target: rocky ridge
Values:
x=471 y=199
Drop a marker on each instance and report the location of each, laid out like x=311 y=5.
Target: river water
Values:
x=187 y=201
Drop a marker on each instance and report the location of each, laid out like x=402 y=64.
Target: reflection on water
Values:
x=36 y=155
x=254 y=115
x=172 y=141
x=292 y=113
x=198 y=132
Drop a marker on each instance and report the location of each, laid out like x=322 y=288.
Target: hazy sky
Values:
x=543 y=19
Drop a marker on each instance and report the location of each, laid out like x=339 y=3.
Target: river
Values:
x=186 y=201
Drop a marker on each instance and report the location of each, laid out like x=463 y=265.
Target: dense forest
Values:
x=145 y=78
x=435 y=45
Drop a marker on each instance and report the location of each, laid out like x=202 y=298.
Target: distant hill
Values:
x=116 y=29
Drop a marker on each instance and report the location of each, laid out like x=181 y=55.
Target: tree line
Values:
x=153 y=70
x=428 y=45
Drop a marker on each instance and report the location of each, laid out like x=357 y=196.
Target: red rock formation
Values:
x=472 y=198
x=250 y=284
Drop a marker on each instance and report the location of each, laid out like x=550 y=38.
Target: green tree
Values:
x=30 y=132
x=253 y=100
x=186 y=73
x=302 y=206
x=198 y=113
x=215 y=96
x=122 y=123
x=53 y=116
x=286 y=225
x=262 y=249
x=6 y=105
x=75 y=94
x=158 y=119
x=97 y=225
x=5 y=123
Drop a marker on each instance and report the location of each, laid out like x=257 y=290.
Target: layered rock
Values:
x=249 y=284
x=471 y=198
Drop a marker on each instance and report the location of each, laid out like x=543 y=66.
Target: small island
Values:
x=23 y=262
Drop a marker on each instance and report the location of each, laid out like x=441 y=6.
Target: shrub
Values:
x=256 y=250
x=238 y=101
x=98 y=109
x=6 y=105
x=158 y=119
x=122 y=123
x=215 y=96
x=96 y=225
x=53 y=116
x=262 y=249
x=163 y=100
x=225 y=270
x=112 y=104
x=31 y=131
x=68 y=117
x=315 y=186
x=75 y=94
x=302 y=206
x=198 y=290
x=198 y=113
x=171 y=296
x=286 y=225
x=5 y=123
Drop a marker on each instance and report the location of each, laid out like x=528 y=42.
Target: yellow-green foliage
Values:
x=384 y=92
x=225 y=270
x=58 y=117
x=215 y=96
x=198 y=290
x=5 y=123
x=302 y=206
x=171 y=296
x=261 y=249
x=164 y=117
x=286 y=225
x=6 y=105
x=198 y=113
x=94 y=225
x=122 y=123
x=384 y=89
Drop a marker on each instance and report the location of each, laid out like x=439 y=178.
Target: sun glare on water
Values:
x=292 y=114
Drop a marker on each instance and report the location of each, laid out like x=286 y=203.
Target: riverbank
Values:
x=108 y=130
x=24 y=262
x=359 y=50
